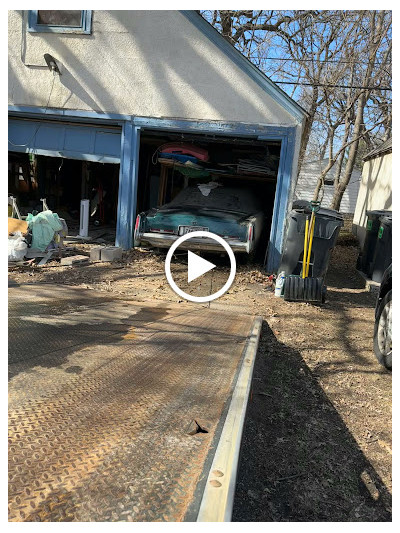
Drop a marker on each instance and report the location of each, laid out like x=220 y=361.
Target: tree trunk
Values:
x=376 y=25
x=309 y=121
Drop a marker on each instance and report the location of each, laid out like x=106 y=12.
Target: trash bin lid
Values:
x=303 y=206
x=387 y=220
x=300 y=205
x=376 y=213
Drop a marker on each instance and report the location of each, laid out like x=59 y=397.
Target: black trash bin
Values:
x=366 y=257
x=383 y=249
x=327 y=226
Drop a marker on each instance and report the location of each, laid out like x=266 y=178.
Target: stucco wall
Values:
x=143 y=63
x=375 y=192
x=308 y=178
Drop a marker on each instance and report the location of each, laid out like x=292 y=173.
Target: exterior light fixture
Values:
x=52 y=64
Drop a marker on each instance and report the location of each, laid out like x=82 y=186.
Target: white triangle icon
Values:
x=197 y=266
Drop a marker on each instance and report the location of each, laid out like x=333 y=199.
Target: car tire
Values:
x=383 y=332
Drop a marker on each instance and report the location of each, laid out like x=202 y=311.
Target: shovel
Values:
x=303 y=288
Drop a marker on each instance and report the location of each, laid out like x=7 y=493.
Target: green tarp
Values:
x=43 y=226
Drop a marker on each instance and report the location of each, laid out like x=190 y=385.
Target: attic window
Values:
x=328 y=181
x=58 y=21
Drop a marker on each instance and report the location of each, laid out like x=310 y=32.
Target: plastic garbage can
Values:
x=366 y=257
x=327 y=226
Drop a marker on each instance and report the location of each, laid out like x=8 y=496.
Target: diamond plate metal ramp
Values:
x=116 y=407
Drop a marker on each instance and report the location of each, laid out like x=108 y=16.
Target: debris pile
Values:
x=40 y=235
x=17 y=246
x=44 y=227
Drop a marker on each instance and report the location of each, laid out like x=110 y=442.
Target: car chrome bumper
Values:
x=161 y=240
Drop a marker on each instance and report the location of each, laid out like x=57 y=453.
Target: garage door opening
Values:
x=236 y=164
x=63 y=183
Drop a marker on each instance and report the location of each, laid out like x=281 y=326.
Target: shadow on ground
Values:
x=342 y=272
x=299 y=462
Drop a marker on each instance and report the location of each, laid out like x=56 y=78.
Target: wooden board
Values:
x=17 y=225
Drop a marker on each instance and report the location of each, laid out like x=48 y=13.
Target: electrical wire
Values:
x=334 y=86
x=303 y=60
x=45 y=111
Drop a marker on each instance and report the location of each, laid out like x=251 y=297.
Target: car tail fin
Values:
x=136 y=233
x=251 y=232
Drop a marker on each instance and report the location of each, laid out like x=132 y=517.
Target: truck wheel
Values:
x=383 y=332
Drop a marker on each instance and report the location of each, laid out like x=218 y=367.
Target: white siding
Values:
x=375 y=192
x=307 y=181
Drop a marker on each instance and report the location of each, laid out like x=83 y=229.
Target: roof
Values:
x=246 y=65
x=384 y=148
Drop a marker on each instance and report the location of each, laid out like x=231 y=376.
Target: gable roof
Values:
x=384 y=148
x=246 y=65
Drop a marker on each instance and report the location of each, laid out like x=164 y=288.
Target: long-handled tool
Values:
x=304 y=288
x=308 y=239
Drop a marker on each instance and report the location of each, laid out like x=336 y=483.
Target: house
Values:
x=94 y=94
x=376 y=187
x=308 y=179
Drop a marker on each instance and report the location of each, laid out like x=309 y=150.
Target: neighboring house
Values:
x=124 y=83
x=308 y=179
x=376 y=187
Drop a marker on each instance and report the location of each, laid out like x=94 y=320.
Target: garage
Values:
x=232 y=164
x=119 y=168
x=165 y=77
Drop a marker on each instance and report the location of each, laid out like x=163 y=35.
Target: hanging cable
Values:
x=45 y=111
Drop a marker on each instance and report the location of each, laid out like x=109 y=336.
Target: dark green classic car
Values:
x=231 y=212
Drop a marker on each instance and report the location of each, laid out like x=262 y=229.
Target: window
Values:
x=60 y=21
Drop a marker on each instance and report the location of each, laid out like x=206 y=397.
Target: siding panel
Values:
x=307 y=181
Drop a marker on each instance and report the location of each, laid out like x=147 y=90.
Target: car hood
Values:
x=200 y=211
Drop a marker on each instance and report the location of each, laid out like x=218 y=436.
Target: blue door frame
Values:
x=128 y=182
x=281 y=201
x=129 y=162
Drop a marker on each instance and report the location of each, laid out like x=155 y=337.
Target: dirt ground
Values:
x=317 y=440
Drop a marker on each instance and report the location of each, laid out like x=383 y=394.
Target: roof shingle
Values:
x=383 y=148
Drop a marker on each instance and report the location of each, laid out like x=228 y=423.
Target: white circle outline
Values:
x=200 y=299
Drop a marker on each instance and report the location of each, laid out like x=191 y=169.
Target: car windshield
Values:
x=219 y=198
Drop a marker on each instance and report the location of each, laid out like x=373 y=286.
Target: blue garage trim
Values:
x=239 y=129
x=67 y=114
x=185 y=125
x=72 y=155
x=281 y=199
x=128 y=180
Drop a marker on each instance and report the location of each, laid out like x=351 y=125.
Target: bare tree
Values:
x=368 y=79
x=337 y=64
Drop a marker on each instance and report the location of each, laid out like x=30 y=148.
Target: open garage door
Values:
x=86 y=142
x=236 y=167
x=65 y=162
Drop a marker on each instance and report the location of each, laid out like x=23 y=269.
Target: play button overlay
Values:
x=198 y=266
